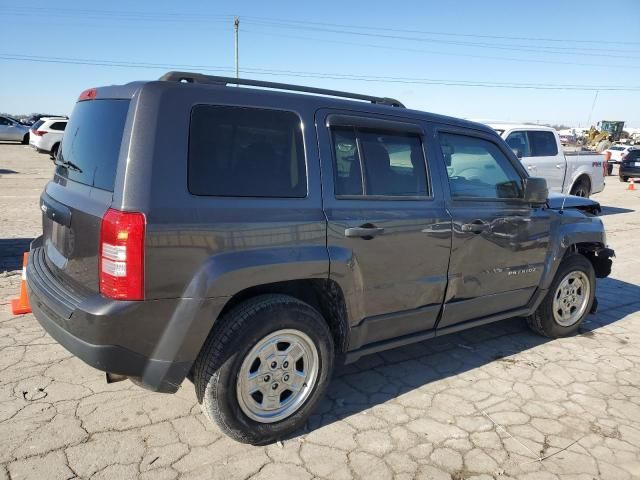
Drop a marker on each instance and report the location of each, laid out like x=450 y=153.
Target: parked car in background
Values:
x=540 y=151
x=619 y=152
x=13 y=130
x=197 y=230
x=568 y=140
x=630 y=166
x=46 y=134
x=34 y=118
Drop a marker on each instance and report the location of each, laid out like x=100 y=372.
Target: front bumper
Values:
x=145 y=341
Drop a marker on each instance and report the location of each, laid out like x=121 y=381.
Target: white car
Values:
x=46 y=134
x=540 y=151
x=618 y=152
x=12 y=130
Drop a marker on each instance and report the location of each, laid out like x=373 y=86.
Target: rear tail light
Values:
x=88 y=94
x=38 y=133
x=121 y=266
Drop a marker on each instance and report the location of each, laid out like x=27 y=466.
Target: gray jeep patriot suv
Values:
x=249 y=238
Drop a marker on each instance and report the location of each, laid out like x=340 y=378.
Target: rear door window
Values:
x=246 y=152
x=91 y=143
x=543 y=144
x=370 y=162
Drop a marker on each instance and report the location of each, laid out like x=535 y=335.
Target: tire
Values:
x=25 y=139
x=54 y=151
x=227 y=357
x=544 y=321
x=582 y=188
x=624 y=179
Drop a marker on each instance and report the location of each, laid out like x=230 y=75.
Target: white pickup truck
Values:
x=539 y=149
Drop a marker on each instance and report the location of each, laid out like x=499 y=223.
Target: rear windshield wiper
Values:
x=68 y=164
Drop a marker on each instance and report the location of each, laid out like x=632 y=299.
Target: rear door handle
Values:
x=476 y=226
x=363 y=232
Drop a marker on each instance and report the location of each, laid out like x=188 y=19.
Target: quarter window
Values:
x=246 y=152
x=58 y=126
x=477 y=168
x=543 y=144
x=378 y=163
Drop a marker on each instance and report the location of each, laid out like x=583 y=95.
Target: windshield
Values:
x=91 y=144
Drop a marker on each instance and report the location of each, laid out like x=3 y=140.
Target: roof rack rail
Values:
x=215 y=80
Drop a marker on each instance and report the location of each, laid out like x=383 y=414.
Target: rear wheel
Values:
x=582 y=188
x=568 y=300
x=54 y=151
x=25 y=139
x=264 y=368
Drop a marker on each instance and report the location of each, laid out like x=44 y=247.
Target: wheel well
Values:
x=601 y=264
x=322 y=294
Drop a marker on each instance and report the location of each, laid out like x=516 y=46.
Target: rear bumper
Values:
x=154 y=342
x=626 y=171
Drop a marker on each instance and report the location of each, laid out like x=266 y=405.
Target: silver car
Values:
x=13 y=130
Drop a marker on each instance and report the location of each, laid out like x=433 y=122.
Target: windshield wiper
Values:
x=68 y=164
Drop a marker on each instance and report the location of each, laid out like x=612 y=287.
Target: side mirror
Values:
x=535 y=190
x=518 y=152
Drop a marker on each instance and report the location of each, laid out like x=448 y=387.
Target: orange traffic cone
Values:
x=20 y=306
x=632 y=184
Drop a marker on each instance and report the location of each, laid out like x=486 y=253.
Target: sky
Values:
x=468 y=58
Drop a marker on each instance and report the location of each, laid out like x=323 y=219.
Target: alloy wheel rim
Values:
x=571 y=298
x=277 y=376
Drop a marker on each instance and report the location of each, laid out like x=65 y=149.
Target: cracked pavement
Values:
x=495 y=402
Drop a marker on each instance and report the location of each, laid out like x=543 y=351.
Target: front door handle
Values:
x=477 y=226
x=365 y=232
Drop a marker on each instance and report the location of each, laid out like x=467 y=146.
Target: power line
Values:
x=518 y=48
x=432 y=52
x=450 y=34
x=173 y=16
x=319 y=75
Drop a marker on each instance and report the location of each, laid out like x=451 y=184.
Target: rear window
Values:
x=91 y=144
x=543 y=144
x=246 y=152
x=37 y=125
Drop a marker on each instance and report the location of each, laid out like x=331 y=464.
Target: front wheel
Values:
x=264 y=368
x=568 y=300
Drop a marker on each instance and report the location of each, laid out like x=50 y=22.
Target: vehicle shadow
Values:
x=6 y=171
x=378 y=378
x=11 y=250
x=606 y=210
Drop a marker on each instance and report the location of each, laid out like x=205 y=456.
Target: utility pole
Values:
x=236 y=25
